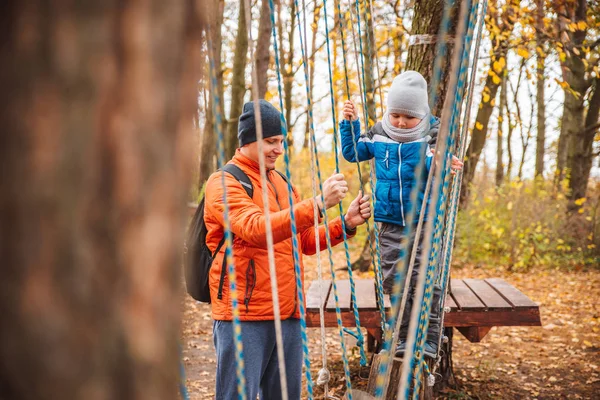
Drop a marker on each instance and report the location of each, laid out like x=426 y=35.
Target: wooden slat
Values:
x=517 y=317
x=313 y=300
x=487 y=295
x=368 y=319
x=387 y=303
x=465 y=299
x=450 y=303
x=468 y=311
x=343 y=290
x=365 y=294
x=511 y=293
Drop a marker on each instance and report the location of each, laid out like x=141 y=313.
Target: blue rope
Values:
x=375 y=253
x=237 y=328
x=441 y=202
x=457 y=184
x=182 y=384
x=376 y=265
x=295 y=247
x=363 y=356
x=325 y=218
x=399 y=285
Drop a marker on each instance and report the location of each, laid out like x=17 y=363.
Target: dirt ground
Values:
x=560 y=360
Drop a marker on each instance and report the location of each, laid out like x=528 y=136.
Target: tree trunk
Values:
x=582 y=147
x=579 y=139
x=525 y=138
x=509 y=141
x=573 y=74
x=369 y=47
x=288 y=72
x=421 y=57
x=500 y=41
x=97 y=109
x=311 y=66
x=540 y=82
x=208 y=160
x=238 y=83
x=397 y=48
x=263 y=48
x=500 y=136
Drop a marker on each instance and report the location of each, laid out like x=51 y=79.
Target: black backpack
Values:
x=197 y=257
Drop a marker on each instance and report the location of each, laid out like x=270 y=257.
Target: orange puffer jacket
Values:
x=250 y=243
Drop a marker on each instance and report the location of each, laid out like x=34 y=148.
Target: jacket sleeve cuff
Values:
x=349 y=232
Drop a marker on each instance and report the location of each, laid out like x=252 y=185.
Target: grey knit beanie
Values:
x=408 y=95
x=269 y=116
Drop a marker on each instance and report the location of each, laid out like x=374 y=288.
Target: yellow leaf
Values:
x=486 y=98
x=496 y=79
x=581 y=25
x=580 y=201
x=523 y=52
x=509 y=206
x=478 y=125
x=497 y=67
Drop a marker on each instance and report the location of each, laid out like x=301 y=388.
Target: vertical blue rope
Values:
x=398 y=281
x=359 y=335
x=325 y=218
x=182 y=384
x=441 y=204
x=376 y=263
x=456 y=191
x=237 y=328
x=295 y=247
x=375 y=253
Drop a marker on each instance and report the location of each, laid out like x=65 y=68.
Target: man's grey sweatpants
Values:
x=260 y=358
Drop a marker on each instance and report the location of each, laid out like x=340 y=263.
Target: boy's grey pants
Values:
x=393 y=243
x=260 y=358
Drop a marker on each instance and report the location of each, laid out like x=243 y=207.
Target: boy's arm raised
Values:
x=364 y=145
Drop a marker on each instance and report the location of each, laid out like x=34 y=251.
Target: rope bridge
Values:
x=351 y=304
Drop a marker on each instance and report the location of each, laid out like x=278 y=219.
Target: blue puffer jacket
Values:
x=395 y=165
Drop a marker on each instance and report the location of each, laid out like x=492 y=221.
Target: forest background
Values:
x=530 y=193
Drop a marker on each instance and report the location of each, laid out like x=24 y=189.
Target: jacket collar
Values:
x=241 y=160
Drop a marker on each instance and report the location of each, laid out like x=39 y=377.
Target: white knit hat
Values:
x=408 y=95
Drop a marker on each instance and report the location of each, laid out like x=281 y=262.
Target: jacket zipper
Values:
x=295 y=277
x=386 y=160
x=400 y=179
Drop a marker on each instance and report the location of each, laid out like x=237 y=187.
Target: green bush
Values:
x=526 y=224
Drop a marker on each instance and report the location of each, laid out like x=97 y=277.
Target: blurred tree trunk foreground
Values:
x=97 y=108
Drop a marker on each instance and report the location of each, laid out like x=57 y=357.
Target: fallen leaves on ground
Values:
x=559 y=360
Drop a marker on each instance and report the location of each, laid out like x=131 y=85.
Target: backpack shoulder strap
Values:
x=241 y=177
x=282 y=175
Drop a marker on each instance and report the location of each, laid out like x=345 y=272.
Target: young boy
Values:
x=399 y=143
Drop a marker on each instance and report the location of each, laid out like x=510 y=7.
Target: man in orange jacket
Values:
x=250 y=257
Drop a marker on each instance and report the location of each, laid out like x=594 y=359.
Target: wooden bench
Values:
x=475 y=306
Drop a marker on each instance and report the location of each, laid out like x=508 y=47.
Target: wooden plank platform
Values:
x=476 y=305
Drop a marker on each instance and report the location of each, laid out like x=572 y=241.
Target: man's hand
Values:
x=349 y=111
x=334 y=190
x=358 y=212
